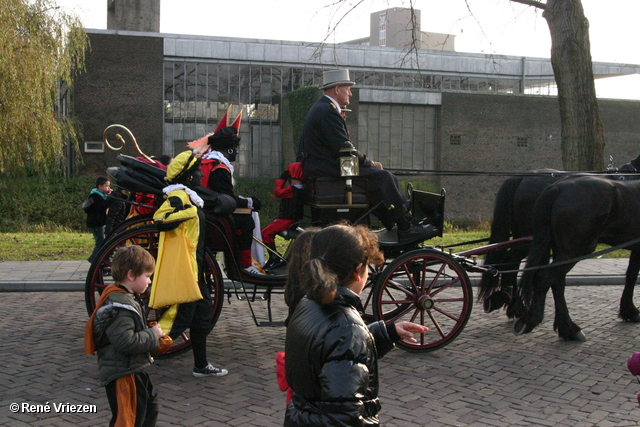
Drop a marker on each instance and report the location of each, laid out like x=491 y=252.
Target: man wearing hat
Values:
x=325 y=132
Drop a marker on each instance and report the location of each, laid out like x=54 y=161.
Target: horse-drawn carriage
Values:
x=417 y=283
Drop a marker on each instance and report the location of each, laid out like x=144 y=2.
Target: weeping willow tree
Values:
x=41 y=49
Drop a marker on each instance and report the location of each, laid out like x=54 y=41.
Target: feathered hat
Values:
x=225 y=128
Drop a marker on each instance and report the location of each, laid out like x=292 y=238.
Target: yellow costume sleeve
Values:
x=176 y=276
x=173 y=209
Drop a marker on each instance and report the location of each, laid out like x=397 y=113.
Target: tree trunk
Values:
x=582 y=131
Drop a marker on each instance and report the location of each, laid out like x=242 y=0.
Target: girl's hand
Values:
x=407 y=329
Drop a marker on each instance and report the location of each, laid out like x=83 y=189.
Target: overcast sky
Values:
x=490 y=26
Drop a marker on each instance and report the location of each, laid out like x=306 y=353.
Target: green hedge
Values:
x=52 y=204
x=37 y=202
x=48 y=204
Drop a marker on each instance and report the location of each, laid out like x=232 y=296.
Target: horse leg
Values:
x=503 y=296
x=628 y=310
x=508 y=284
x=566 y=328
x=528 y=318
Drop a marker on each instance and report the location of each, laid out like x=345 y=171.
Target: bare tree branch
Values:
x=415 y=45
x=466 y=2
x=533 y=3
x=331 y=28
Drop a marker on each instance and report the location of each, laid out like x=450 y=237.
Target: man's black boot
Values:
x=408 y=232
x=273 y=258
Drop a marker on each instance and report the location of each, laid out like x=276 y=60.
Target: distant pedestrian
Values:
x=118 y=331
x=96 y=209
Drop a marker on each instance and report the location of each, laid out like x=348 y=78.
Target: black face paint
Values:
x=231 y=155
x=196 y=177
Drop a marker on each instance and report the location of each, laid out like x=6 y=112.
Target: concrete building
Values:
x=400 y=27
x=437 y=110
x=133 y=15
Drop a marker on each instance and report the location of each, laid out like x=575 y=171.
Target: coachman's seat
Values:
x=332 y=199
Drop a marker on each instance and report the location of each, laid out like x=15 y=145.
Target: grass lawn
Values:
x=72 y=246
x=46 y=246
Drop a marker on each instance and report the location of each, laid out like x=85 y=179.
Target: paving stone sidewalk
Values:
x=486 y=377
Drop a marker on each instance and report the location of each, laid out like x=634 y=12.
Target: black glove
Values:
x=167 y=226
x=257 y=204
x=285 y=175
x=176 y=203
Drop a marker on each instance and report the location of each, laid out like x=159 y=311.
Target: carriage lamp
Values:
x=348 y=160
x=348 y=167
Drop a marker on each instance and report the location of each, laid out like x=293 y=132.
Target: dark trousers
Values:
x=196 y=316
x=383 y=187
x=146 y=405
x=98 y=238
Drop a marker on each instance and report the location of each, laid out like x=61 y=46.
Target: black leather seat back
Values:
x=332 y=191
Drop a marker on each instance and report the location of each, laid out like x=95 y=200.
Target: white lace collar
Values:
x=216 y=155
x=195 y=199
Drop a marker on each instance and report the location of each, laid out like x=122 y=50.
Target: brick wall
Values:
x=512 y=133
x=122 y=84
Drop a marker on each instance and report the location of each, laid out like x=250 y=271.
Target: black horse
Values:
x=513 y=218
x=570 y=218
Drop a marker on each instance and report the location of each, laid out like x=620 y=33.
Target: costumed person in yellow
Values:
x=220 y=150
x=178 y=280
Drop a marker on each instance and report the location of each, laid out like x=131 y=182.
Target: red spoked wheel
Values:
x=428 y=287
x=131 y=222
x=366 y=296
x=99 y=277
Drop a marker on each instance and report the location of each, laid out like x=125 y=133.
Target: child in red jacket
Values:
x=290 y=189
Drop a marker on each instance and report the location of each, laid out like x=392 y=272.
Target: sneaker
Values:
x=417 y=233
x=209 y=371
x=255 y=270
x=279 y=263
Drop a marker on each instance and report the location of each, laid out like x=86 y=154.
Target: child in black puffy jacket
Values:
x=96 y=209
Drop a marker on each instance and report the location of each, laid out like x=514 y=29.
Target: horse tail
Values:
x=540 y=252
x=502 y=223
x=501 y=230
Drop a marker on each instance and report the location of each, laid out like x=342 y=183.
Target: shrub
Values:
x=53 y=204
x=45 y=202
x=37 y=204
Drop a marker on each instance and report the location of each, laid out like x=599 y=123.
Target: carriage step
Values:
x=271 y=323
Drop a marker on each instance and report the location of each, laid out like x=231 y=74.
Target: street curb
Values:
x=78 y=286
x=42 y=286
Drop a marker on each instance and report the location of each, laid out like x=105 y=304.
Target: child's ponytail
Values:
x=335 y=253
x=322 y=283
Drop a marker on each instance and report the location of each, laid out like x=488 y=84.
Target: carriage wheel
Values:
x=428 y=287
x=99 y=276
x=132 y=222
x=366 y=296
